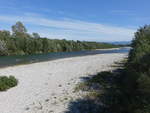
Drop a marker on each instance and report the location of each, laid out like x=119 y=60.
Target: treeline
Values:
x=19 y=42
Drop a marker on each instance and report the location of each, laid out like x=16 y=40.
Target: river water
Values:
x=17 y=60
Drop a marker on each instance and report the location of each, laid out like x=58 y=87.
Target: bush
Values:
x=125 y=90
x=7 y=82
x=137 y=79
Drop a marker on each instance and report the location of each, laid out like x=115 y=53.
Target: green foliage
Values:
x=19 y=28
x=3 y=48
x=126 y=90
x=35 y=35
x=138 y=72
x=132 y=91
x=22 y=43
x=7 y=82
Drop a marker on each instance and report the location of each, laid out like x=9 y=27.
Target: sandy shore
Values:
x=115 y=48
x=47 y=87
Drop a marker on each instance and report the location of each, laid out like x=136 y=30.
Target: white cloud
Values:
x=73 y=29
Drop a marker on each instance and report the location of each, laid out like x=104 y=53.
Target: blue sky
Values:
x=91 y=20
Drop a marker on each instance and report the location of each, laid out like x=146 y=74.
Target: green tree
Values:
x=3 y=48
x=45 y=45
x=19 y=28
x=35 y=35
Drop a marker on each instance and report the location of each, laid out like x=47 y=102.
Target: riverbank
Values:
x=47 y=87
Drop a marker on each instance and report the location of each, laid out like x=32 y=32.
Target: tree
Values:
x=19 y=28
x=45 y=45
x=35 y=35
x=4 y=35
x=3 y=48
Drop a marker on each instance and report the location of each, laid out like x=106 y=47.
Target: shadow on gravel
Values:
x=103 y=93
x=84 y=106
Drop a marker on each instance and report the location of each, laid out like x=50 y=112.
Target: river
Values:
x=17 y=60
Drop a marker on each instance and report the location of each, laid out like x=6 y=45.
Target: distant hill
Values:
x=120 y=42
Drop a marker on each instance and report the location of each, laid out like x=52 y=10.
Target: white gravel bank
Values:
x=47 y=87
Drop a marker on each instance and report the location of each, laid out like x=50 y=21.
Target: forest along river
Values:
x=17 y=60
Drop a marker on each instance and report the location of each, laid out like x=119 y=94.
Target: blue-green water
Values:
x=16 y=60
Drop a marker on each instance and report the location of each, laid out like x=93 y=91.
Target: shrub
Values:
x=126 y=90
x=7 y=82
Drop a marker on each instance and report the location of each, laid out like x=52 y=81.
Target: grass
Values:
x=7 y=82
x=100 y=92
x=97 y=82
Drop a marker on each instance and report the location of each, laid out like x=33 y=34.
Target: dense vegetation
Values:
x=7 y=82
x=19 y=42
x=124 y=90
x=131 y=93
x=137 y=79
